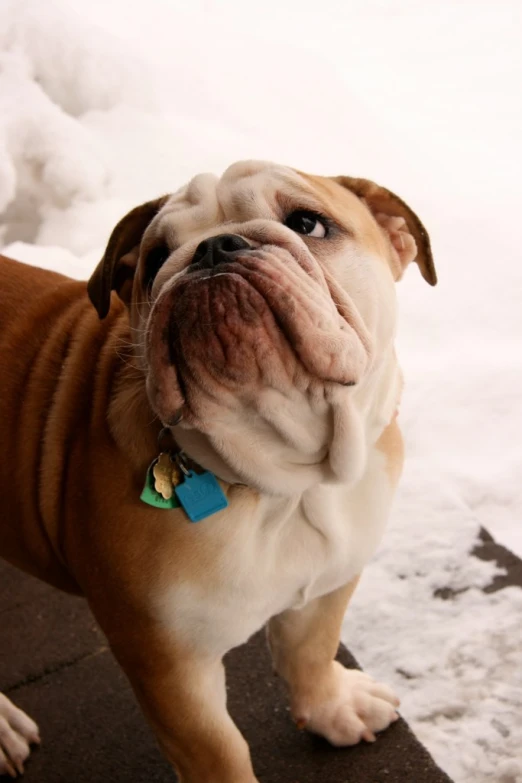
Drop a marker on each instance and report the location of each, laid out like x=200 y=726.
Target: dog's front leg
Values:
x=341 y=704
x=182 y=693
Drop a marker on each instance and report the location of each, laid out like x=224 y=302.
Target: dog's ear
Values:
x=115 y=272
x=409 y=239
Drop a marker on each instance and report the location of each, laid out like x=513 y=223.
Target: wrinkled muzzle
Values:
x=255 y=321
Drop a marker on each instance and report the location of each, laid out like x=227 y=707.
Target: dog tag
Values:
x=150 y=494
x=165 y=472
x=200 y=495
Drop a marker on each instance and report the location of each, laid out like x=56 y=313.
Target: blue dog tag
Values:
x=200 y=495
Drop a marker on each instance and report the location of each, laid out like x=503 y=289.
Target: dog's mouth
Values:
x=259 y=320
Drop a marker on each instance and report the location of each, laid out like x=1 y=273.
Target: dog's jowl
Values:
x=203 y=440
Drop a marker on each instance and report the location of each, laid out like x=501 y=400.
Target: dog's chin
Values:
x=219 y=342
x=223 y=335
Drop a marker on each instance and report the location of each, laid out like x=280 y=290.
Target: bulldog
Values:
x=203 y=440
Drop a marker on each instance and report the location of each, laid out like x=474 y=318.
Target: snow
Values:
x=106 y=104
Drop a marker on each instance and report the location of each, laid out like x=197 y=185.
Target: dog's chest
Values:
x=281 y=558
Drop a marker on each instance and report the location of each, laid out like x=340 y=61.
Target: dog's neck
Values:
x=324 y=442
x=292 y=444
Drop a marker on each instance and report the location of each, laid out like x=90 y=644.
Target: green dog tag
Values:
x=151 y=496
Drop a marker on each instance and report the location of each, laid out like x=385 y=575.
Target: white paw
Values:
x=357 y=708
x=17 y=733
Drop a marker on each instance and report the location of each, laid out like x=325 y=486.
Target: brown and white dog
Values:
x=254 y=315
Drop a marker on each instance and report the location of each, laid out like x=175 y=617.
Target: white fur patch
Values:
x=358 y=709
x=286 y=553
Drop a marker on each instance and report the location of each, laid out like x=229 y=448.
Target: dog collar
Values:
x=174 y=480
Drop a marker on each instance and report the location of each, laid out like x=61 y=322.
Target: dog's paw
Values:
x=354 y=708
x=17 y=733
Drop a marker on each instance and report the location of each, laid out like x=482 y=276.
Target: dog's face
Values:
x=261 y=301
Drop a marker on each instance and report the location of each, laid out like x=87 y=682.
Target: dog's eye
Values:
x=308 y=223
x=153 y=262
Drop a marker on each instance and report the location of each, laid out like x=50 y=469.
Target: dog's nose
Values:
x=217 y=250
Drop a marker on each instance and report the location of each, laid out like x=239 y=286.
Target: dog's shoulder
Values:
x=30 y=293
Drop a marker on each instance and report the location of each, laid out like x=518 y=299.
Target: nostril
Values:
x=230 y=243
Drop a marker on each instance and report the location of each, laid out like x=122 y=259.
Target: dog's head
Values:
x=262 y=305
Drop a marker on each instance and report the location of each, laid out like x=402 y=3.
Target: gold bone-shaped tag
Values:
x=164 y=472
